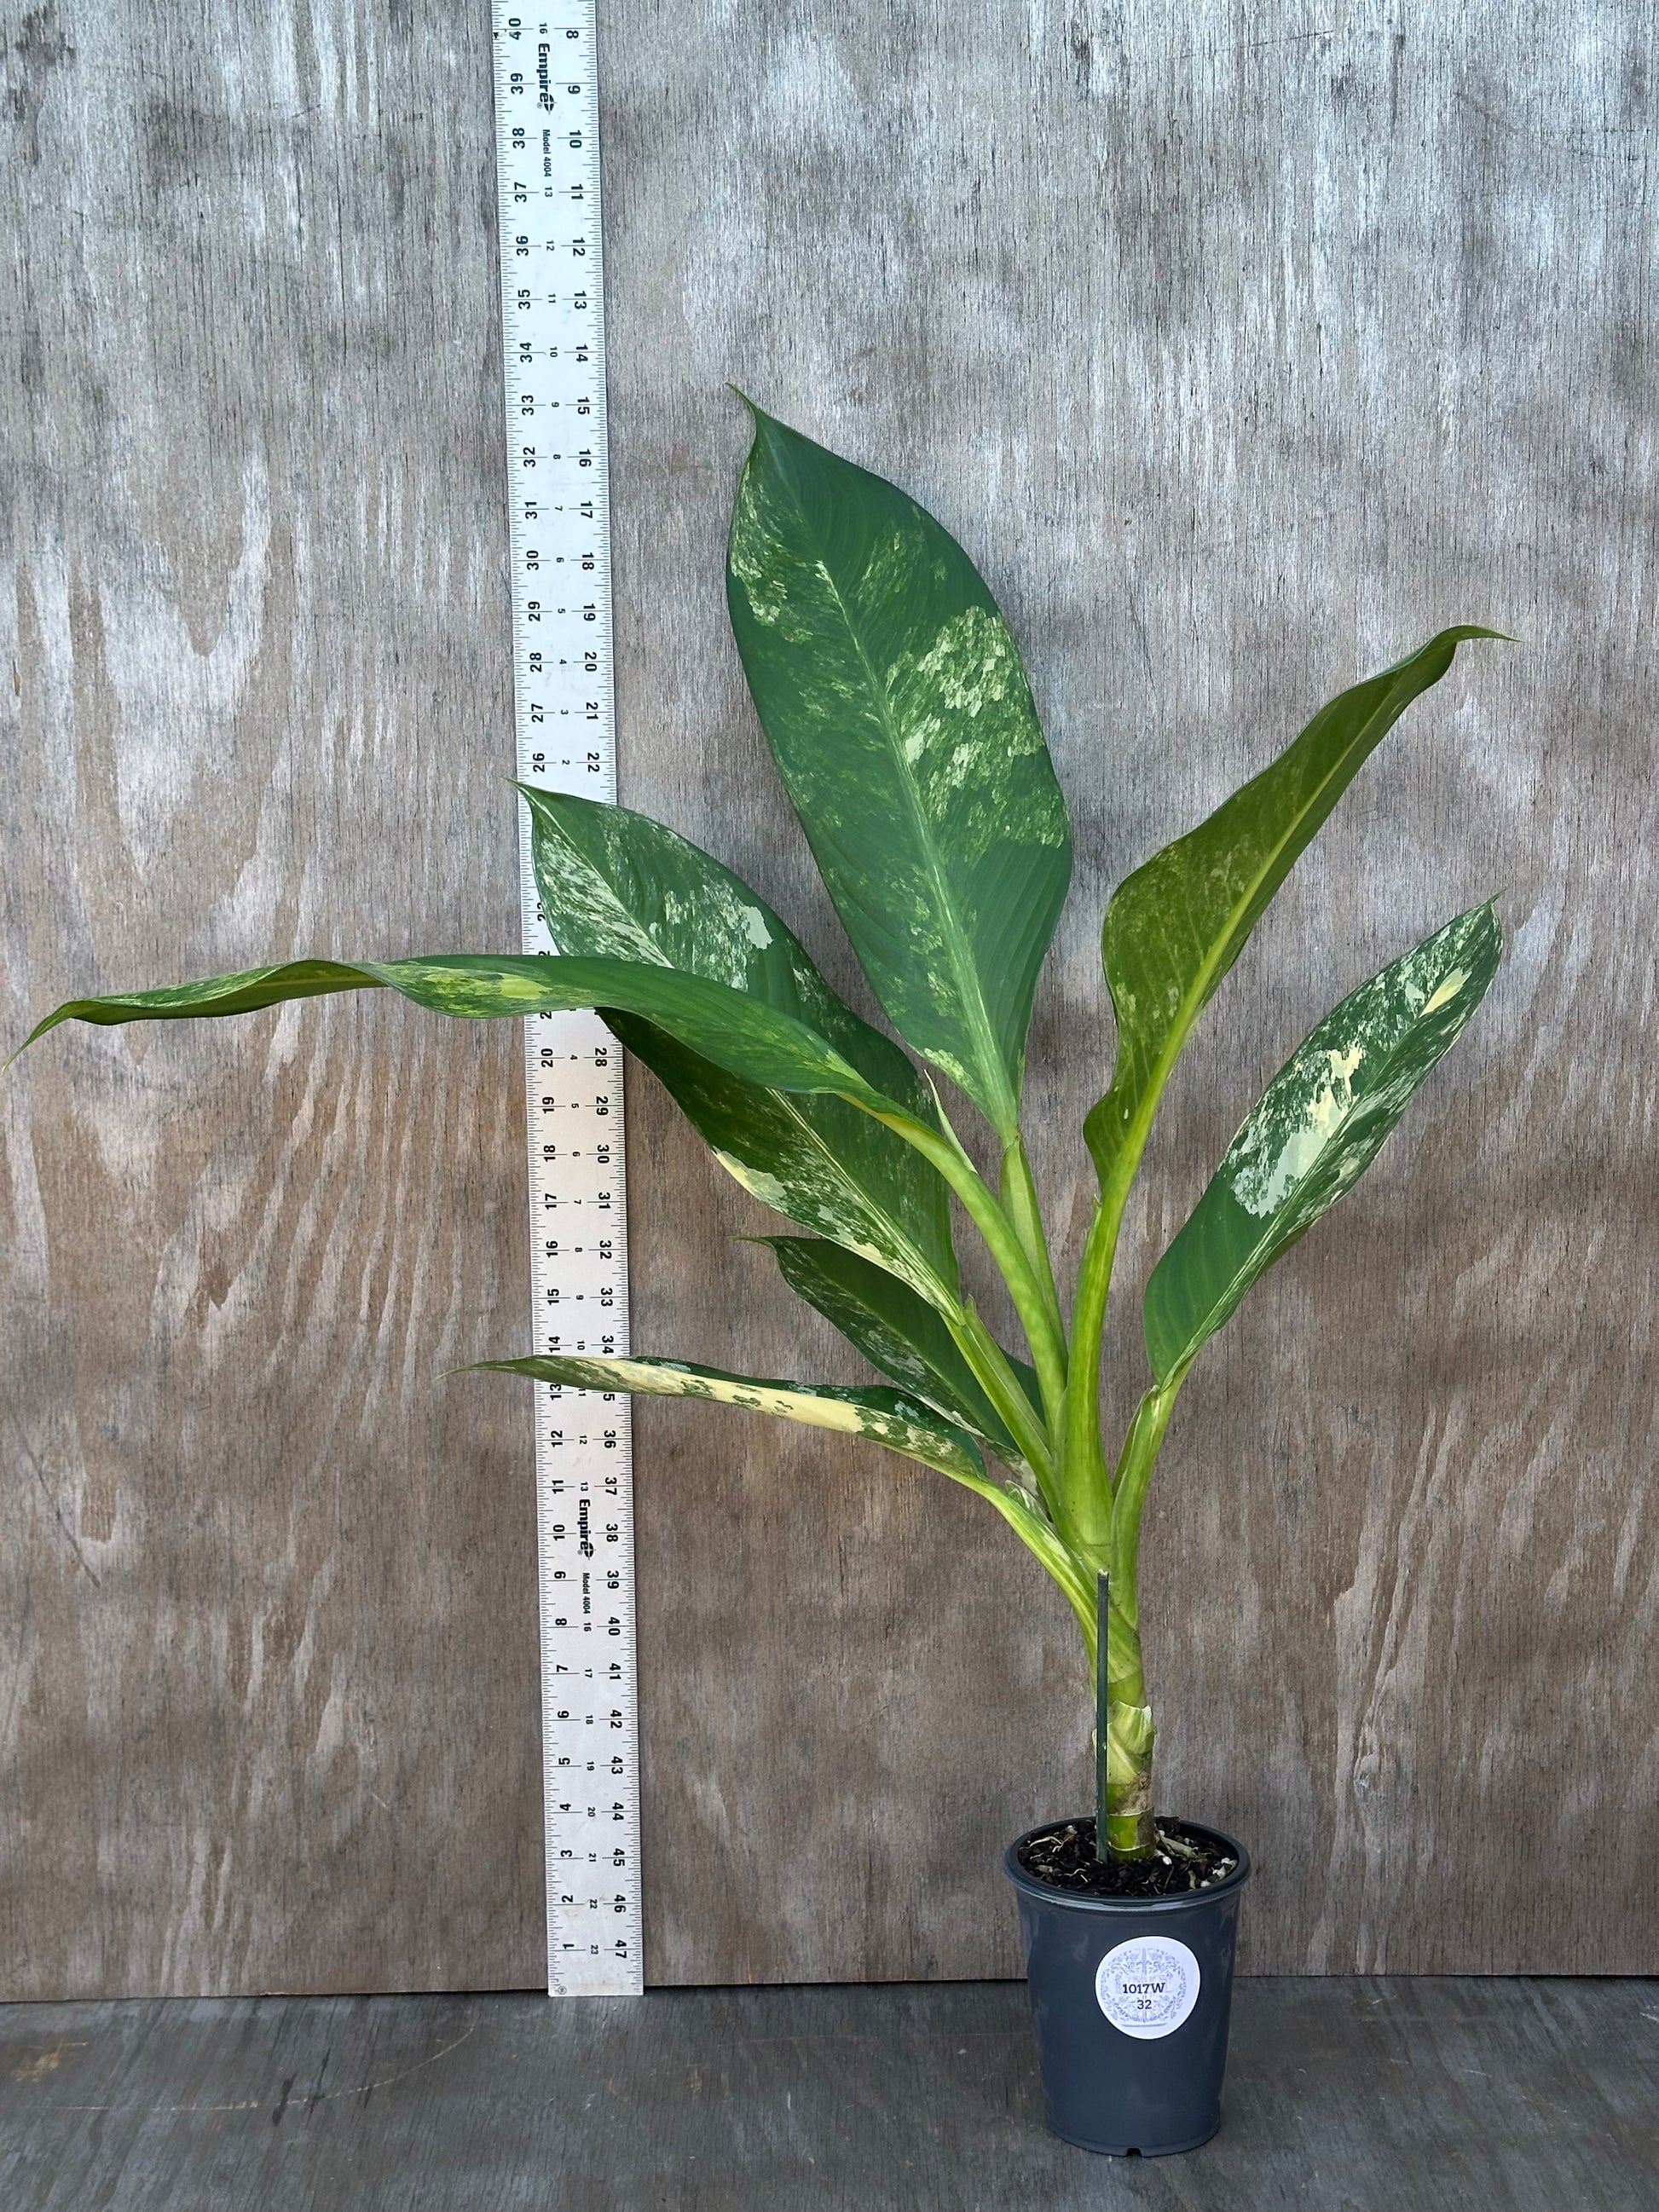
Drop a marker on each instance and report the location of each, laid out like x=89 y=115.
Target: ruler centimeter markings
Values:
x=547 y=142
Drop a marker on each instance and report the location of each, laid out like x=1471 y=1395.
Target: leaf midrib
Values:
x=966 y=980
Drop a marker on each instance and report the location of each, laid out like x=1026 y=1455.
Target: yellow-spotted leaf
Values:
x=901 y=1423
x=615 y=883
x=1317 y=1128
x=1175 y=927
x=892 y=696
x=898 y=1334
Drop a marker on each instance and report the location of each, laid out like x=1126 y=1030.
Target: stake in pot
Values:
x=1131 y=1995
x=891 y=691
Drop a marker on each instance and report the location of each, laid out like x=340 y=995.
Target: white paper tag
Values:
x=1147 y=1986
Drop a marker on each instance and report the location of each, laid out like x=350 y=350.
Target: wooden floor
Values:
x=1343 y=2094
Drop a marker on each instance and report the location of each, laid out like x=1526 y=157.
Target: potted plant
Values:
x=893 y=698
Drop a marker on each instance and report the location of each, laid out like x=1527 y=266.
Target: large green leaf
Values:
x=887 y=1416
x=891 y=693
x=739 y=1033
x=1317 y=1128
x=1175 y=927
x=615 y=884
x=898 y=1334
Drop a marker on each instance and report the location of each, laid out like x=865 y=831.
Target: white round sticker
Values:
x=1148 y=1985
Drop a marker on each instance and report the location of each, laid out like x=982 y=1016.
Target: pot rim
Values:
x=1071 y=1900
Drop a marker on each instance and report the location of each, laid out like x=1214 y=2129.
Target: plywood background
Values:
x=1242 y=348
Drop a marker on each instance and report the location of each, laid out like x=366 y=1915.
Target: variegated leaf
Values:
x=899 y=1334
x=615 y=883
x=891 y=693
x=1317 y=1128
x=902 y=1424
x=1175 y=927
x=886 y=1417
x=739 y=1033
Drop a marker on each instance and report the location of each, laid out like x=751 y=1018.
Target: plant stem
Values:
x=1134 y=1473
x=1004 y=1389
x=1086 y=1488
x=1021 y=1204
x=1103 y=1710
x=1048 y=1344
x=1130 y=1830
x=1040 y=1538
x=1126 y=1808
x=1124 y=1735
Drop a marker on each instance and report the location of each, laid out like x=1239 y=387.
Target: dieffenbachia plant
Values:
x=891 y=693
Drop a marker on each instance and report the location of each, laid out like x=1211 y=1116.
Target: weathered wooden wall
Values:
x=269 y=1613
x=1242 y=348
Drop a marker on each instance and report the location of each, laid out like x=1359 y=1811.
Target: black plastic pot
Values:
x=1131 y=1998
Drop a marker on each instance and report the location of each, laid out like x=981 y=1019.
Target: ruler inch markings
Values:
x=547 y=144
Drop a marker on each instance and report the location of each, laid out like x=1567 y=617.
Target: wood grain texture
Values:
x=269 y=1614
x=1242 y=350
x=1379 y=2094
